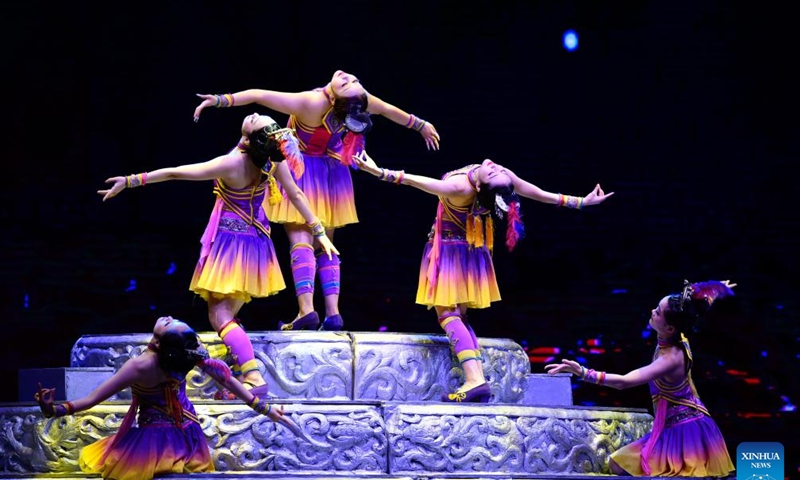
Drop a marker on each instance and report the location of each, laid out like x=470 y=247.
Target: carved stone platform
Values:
x=367 y=407
x=413 y=440
x=308 y=365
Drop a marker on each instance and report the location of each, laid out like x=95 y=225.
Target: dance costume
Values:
x=685 y=440
x=167 y=438
x=457 y=263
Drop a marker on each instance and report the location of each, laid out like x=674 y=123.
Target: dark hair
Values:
x=180 y=351
x=510 y=211
x=264 y=147
x=698 y=301
x=352 y=112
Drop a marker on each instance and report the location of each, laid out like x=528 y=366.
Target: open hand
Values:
x=208 y=101
x=366 y=163
x=119 y=185
x=596 y=196
x=277 y=415
x=327 y=245
x=431 y=136
x=44 y=397
x=566 y=366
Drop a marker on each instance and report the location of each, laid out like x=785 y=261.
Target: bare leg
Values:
x=221 y=311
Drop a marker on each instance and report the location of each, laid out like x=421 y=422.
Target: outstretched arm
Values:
x=457 y=190
x=221 y=373
x=661 y=367
x=308 y=106
x=220 y=167
x=130 y=372
x=300 y=202
x=426 y=129
x=529 y=190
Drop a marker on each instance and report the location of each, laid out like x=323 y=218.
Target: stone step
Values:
x=302 y=476
x=309 y=365
x=414 y=439
x=70 y=382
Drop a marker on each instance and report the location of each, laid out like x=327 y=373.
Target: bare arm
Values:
x=130 y=372
x=379 y=107
x=220 y=167
x=221 y=373
x=300 y=202
x=456 y=189
x=308 y=106
x=293 y=192
x=663 y=366
x=529 y=190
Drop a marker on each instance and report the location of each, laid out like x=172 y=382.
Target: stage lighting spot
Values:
x=570 y=40
x=383 y=328
x=25 y=301
x=617 y=291
x=131 y=286
x=171 y=268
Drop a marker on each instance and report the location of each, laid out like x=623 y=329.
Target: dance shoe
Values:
x=306 y=322
x=480 y=394
x=334 y=323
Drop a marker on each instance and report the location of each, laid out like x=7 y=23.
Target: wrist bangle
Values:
x=260 y=405
x=317 y=228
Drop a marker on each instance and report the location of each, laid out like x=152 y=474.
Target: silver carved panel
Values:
x=476 y=439
x=333 y=438
x=297 y=365
x=417 y=367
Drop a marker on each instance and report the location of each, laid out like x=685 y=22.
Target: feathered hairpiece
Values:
x=200 y=354
x=686 y=295
x=500 y=206
x=356 y=124
x=287 y=144
x=515 y=229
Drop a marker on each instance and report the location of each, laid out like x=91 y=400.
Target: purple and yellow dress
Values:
x=324 y=177
x=457 y=263
x=685 y=440
x=166 y=439
x=237 y=258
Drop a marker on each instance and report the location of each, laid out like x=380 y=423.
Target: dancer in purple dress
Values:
x=331 y=123
x=685 y=440
x=161 y=433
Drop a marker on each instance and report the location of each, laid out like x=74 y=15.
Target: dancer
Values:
x=331 y=123
x=685 y=440
x=237 y=259
x=457 y=271
x=167 y=436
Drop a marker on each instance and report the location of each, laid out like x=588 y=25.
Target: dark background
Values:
x=686 y=110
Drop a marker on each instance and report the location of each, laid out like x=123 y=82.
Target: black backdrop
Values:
x=685 y=109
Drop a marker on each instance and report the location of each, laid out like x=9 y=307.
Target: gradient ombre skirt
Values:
x=328 y=185
x=693 y=448
x=241 y=264
x=466 y=276
x=148 y=451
